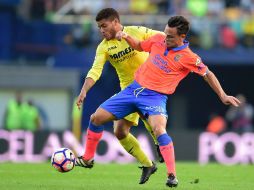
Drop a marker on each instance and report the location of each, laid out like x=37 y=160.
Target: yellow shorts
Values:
x=134 y=117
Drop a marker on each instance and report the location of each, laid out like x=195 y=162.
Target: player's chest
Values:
x=164 y=59
x=118 y=50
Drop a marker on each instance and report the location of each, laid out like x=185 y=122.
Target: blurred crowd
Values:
x=199 y=8
x=237 y=119
x=21 y=115
x=216 y=25
x=224 y=23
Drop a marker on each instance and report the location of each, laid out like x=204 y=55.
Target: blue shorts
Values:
x=135 y=98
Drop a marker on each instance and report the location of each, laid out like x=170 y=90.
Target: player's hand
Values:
x=80 y=99
x=121 y=35
x=230 y=100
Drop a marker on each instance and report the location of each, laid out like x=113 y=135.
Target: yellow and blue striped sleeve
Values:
x=98 y=64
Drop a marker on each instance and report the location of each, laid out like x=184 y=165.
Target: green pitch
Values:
x=191 y=176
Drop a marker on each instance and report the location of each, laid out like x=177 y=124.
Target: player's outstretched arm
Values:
x=89 y=82
x=134 y=43
x=212 y=80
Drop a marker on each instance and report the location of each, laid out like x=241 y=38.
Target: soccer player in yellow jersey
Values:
x=126 y=61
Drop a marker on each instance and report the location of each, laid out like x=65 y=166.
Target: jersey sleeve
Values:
x=147 y=44
x=196 y=65
x=98 y=64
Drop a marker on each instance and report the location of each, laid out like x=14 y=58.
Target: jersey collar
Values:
x=185 y=45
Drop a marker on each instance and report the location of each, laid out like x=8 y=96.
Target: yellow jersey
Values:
x=122 y=57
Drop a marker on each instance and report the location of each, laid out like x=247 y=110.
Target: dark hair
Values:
x=107 y=13
x=182 y=24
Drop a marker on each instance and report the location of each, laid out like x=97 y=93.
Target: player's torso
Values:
x=167 y=63
x=163 y=70
x=123 y=58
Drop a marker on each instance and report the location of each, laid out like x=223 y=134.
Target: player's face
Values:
x=172 y=38
x=107 y=28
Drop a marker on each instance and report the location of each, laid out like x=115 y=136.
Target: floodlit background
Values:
x=48 y=46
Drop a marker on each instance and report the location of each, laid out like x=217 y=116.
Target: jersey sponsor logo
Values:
x=113 y=47
x=201 y=67
x=198 y=62
x=121 y=53
x=161 y=63
x=156 y=109
x=177 y=57
x=129 y=56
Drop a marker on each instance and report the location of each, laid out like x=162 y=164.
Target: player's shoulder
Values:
x=190 y=56
x=158 y=37
x=136 y=29
x=102 y=45
x=188 y=52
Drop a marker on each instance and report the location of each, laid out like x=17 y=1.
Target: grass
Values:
x=124 y=177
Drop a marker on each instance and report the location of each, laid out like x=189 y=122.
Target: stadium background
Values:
x=47 y=47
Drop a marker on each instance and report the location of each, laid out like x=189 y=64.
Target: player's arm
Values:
x=212 y=80
x=93 y=75
x=88 y=84
x=134 y=43
x=195 y=64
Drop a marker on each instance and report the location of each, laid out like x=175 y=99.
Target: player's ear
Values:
x=115 y=21
x=183 y=36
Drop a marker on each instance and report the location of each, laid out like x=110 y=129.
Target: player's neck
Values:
x=180 y=44
x=119 y=28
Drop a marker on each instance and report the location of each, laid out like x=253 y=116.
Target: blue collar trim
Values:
x=186 y=44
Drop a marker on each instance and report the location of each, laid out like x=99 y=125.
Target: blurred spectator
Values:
x=176 y=7
x=143 y=7
x=87 y=6
x=216 y=124
x=13 y=113
x=248 y=31
x=163 y=6
x=49 y=10
x=80 y=35
x=30 y=116
x=122 y=6
x=247 y=5
x=232 y=3
x=37 y=9
x=215 y=7
x=241 y=117
x=197 y=8
x=21 y=115
x=228 y=37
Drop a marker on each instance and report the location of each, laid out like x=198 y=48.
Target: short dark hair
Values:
x=107 y=13
x=182 y=24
